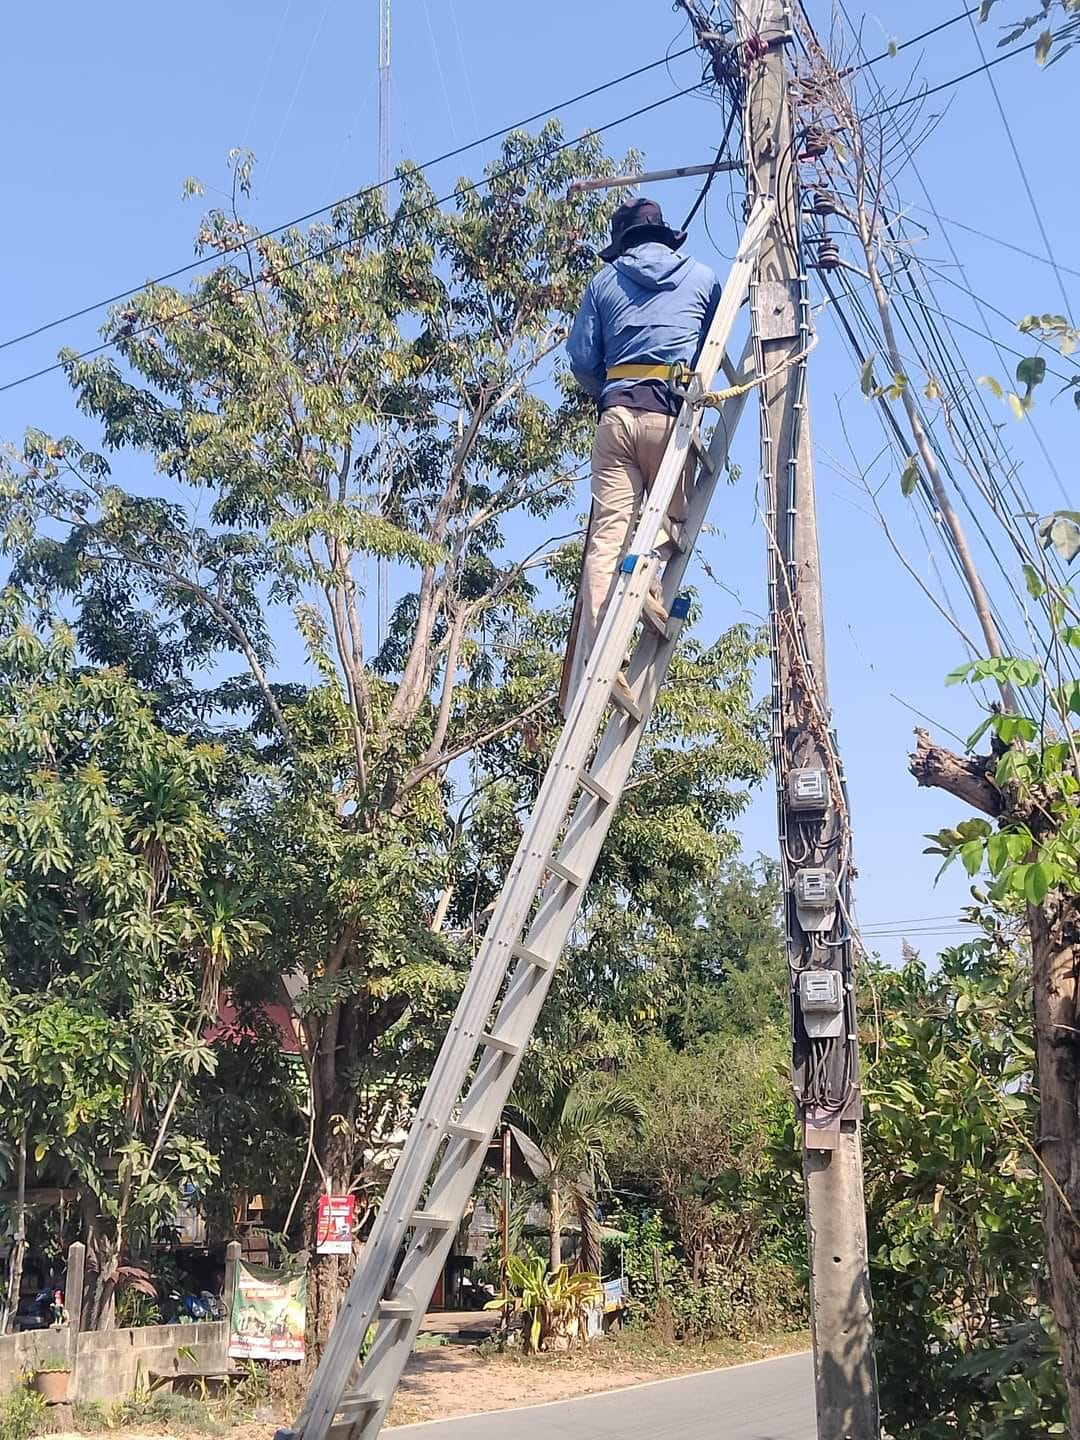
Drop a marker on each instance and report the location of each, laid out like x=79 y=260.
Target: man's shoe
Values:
x=621 y=692
x=655 y=611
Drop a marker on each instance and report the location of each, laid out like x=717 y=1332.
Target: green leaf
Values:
x=1037 y=882
x=893 y=48
x=866 y=376
x=910 y=478
x=1042 y=46
x=984 y=10
x=997 y=853
x=994 y=386
x=959 y=675
x=979 y=731
x=1033 y=580
x=1031 y=372
x=972 y=856
x=1064 y=535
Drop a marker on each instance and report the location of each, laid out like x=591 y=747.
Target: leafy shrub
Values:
x=734 y=1300
x=552 y=1307
x=21 y=1413
x=952 y=1183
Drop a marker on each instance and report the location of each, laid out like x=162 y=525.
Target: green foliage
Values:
x=953 y=1200
x=320 y=400
x=22 y=1413
x=1064 y=14
x=552 y=1307
x=575 y=1124
x=56 y=1362
x=117 y=923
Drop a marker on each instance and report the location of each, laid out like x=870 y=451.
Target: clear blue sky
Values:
x=106 y=109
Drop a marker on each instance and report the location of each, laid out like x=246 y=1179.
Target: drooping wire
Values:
x=353 y=196
x=337 y=245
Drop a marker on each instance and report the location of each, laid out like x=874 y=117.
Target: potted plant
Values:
x=51 y=1377
x=552 y=1307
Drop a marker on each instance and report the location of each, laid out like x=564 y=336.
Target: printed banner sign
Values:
x=337 y=1214
x=268 y=1314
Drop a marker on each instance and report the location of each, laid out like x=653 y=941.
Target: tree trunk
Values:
x=102 y=1263
x=555 y=1211
x=1055 y=928
x=328 y=1276
x=18 y=1250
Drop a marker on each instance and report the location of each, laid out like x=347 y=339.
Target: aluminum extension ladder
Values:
x=559 y=848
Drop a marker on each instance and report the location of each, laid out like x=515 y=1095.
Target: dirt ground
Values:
x=459 y=1380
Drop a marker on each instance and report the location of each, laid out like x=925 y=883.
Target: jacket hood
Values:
x=653 y=265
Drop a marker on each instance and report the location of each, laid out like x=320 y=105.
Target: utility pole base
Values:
x=840 y=1314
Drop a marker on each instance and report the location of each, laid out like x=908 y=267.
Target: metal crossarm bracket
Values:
x=476 y=1067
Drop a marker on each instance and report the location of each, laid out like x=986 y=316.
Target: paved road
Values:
x=770 y=1401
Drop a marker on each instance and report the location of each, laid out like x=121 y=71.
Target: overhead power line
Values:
x=330 y=249
x=354 y=195
x=895 y=50
x=948 y=84
x=995 y=239
x=1022 y=168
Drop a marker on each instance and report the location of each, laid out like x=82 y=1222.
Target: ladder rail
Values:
x=532 y=861
x=525 y=996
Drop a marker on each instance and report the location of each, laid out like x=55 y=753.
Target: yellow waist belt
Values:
x=676 y=372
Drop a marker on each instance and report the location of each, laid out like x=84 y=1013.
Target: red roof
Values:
x=230 y=1031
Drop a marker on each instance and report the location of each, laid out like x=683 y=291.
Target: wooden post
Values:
x=73 y=1304
x=815 y=842
x=232 y=1275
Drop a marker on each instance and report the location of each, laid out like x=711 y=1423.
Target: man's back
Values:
x=652 y=304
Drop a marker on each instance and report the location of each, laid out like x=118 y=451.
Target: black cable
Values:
x=994 y=239
x=320 y=254
x=356 y=195
x=947 y=84
x=896 y=49
x=712 y=173
x=991 y=441
x=1023 y=173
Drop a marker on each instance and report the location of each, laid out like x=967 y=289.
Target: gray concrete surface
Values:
x=770 y=1401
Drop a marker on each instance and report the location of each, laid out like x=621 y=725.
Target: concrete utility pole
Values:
x=814 y=823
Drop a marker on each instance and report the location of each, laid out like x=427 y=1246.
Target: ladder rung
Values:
x=627 y=704
x=500 y=1042
x=424 y=1219
x=398 y=1307
x=357 y=1402
x=473 y=1133
x=530 y=957
x=564 y=872
x=589 y=782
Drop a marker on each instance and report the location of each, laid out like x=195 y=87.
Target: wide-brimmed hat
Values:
x=636 y=221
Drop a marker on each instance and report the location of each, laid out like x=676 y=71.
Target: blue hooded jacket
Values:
x=652 y=305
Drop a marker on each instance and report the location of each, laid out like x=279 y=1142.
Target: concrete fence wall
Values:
x=106 y=1364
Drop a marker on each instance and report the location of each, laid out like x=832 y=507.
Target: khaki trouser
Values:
x=626 y=454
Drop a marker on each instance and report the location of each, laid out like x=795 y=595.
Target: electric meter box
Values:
x=808 y=790
x=821 y=1000
x=815 y=899
x=816 y=889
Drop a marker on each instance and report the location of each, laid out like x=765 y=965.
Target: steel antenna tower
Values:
x=383 y=574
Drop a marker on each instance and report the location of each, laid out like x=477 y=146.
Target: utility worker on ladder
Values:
x=642 y=320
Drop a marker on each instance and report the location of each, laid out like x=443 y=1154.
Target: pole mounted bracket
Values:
x=777 y=304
